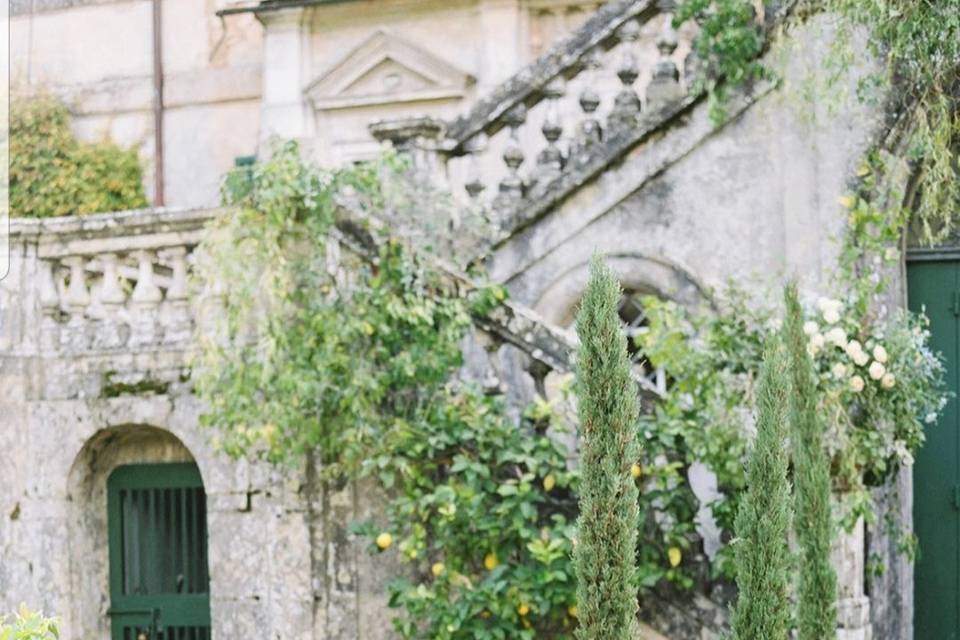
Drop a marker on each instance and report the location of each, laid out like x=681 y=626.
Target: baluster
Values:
x=145 y=301
x=112 y=331
x=49 y=307
x=626 y=106
x=179 y=323
x=664 y=86
x=492 y=379
x=589 y=132
x=550 y=159
x=511 y=187
x=75 y=335
x=474 y=147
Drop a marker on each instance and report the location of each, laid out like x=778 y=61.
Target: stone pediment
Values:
x=384 y=69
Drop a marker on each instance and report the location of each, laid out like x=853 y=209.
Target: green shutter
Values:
x=935 y=287
x=159 y=585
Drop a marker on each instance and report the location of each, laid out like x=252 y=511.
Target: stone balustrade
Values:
x=116 y=282
x=620 y=71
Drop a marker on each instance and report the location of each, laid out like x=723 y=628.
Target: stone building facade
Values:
x=600 y=144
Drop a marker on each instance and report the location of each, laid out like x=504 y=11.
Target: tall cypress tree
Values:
x=605 y=554
x=817 y=614
x=763 y=522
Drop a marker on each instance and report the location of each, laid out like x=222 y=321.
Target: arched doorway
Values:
x=128 y=487
x=159 y=582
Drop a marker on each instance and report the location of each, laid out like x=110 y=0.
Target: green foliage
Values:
x=728 y=47
x=28 y=625
x=606 y=529
x=54 y=174
x=813 y=520
x=763 y=522
x=359 y=375
x=920 y=42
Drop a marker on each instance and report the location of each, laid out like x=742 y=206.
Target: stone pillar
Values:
x=420 y=139
x=286 y=50
x=853 y=605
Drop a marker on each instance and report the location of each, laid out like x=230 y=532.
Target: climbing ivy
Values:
x=918 y=45
x=54 y=174
x=312 y=354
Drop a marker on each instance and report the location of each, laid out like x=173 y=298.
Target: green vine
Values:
x=360 y=372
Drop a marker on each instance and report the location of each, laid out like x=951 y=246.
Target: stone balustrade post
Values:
x=145 y=327
x=179 y=324
x=419 y=139
x=112 y=330
x=75 y=335
x=49 y=307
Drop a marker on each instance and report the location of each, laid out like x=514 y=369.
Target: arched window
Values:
x=634 y=319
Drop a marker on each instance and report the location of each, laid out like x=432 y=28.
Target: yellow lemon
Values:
x=846 y=202
x=384 y=540
x=367 y=328
x=523 y=609
x=635 y=470
x=549 y=482
x=437 y=569
x=674 y=555
x=864 y=170
x=572 y=611
x=490 y=561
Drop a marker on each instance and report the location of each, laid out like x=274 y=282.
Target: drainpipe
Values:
x=157 y=104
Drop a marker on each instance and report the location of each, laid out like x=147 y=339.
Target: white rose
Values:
x=818 y=340
x=837 y=336
x=879 y=353
x=876 y=370
x=861 y=358
x=856 y=384
x=839 y=370
x=887 y=381
x=831 y=316
x=810 y=327
x=853 y=348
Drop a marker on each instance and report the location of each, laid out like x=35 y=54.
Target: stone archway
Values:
x=87 y=528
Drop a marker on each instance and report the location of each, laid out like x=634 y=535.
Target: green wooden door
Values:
x=159 y=586
x=934 y=286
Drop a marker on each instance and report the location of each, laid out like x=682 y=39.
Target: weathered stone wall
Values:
x=683 y=211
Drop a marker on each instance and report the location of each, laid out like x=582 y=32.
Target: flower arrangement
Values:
x=879 y=386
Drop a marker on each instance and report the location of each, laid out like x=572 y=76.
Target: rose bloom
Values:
x=887 y=381
x=837 y=336
x=856 y=384
x=839 y=370
x=817 y=340
x=861 y=358
x=853 y=348
x=876 y=370
x=879 y=353
x=810 y=327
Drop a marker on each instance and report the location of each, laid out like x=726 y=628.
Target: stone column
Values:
x=420 y=139
x=853 y=605
x=286 y=50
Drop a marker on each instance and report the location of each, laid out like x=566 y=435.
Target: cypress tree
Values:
x=816 y=614
x=605 y=553
x=763 y=521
